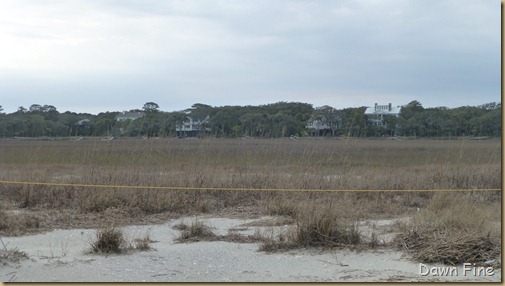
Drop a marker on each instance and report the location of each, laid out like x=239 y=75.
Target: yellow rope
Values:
x=225 y=189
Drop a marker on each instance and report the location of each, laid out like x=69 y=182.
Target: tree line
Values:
x=275 y=120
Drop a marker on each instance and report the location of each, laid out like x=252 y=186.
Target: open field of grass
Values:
x=325 y=164
x=306 y=164
x=311 y=164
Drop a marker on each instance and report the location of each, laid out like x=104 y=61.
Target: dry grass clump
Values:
x=453 y=229
x=451 y=247
x=280 y=244
x=11 y=254
x=109 y=240
x=317 y=224
x=112 y=240
x=239 y=238
x=197 y=231
x=15 y=224
x=142 y=244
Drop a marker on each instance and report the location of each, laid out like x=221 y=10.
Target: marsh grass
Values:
x=304 y=164
x=321 y=218
x=15 y=224
x=347 y=164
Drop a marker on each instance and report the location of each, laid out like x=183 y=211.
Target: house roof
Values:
x=383 y=109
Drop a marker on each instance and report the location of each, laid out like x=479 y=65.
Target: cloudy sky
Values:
x=114 y=55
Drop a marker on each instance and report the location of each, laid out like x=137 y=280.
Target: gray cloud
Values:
x=119 y=54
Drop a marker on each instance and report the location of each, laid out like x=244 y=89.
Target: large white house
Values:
x=377 y=113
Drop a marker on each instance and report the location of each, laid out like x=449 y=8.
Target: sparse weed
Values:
x=12 y=255
x=143 y=243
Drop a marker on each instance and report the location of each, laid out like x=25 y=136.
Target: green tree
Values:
x=354 y=122
x=104 y=124
x=49 y=112
x=391 y=123
x=21 y=109
x=36 y=125
x=35 y=108
x=410 y=118
x=150 y=107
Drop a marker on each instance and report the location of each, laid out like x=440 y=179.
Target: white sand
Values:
x=59 y=256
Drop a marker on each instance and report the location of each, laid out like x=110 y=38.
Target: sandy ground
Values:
x=61 y=256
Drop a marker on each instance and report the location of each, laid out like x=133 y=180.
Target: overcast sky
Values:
x=113 y=55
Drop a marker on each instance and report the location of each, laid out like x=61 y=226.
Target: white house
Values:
x=192 y=127
x=377 y=113
x=317 y=124
x=324 y=121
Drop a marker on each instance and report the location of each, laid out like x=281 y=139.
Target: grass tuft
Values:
x=317 y=225
x=108 y=240
x=195 y=232
x=142 y=244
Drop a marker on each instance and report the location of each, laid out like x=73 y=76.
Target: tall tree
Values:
x=150 y=107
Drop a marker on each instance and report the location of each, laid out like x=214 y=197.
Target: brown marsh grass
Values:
x=351 y=164
x=324 y=164
x=244 y=166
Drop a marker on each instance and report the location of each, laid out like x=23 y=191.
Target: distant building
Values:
x=193 y=127
x=324 y=121
x=318 y=127
x=377 y=113
x=129 y=115
x=82 y=127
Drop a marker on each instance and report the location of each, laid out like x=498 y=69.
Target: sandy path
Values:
x=60 y=256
